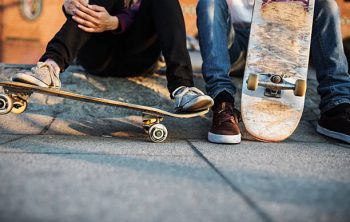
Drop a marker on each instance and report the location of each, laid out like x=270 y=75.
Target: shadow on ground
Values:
x=52 y=115
x=57 y=116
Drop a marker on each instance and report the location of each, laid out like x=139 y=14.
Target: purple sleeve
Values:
x=126 y=18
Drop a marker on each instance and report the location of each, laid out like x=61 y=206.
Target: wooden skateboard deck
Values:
x=274 y=82
x=16 y=95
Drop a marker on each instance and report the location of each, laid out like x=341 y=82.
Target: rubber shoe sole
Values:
x=197 y=104
x=333 y=134
x=228 y=139
x=24 y=78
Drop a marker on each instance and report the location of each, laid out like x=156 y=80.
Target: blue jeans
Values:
x=215 y=32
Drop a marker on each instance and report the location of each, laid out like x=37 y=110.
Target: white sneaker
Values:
x=43 y=75
x=191 y=99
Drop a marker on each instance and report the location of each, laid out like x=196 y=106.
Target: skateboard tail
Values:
x=270 y=120
x=272 y=139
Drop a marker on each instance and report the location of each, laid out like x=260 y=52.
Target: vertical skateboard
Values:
x=274 y=82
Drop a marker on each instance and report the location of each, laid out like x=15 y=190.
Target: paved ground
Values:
x=70 y=161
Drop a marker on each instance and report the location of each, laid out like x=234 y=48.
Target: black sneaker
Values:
x=335 y=123
x=225 y=125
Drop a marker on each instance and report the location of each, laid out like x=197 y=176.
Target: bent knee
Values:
x=327 y=7
x=206 y=4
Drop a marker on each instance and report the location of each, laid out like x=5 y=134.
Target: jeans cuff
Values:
x=217 y=92
x=333 y=103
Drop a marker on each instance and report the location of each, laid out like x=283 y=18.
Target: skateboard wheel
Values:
x=252 y=82
x=6 y=104
x=19 y=107
x=158 y=133
x=300 y=87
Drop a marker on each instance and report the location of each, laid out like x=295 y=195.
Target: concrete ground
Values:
x=64 y=160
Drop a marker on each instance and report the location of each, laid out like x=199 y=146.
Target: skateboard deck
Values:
x=274 y=82
x=16 y=94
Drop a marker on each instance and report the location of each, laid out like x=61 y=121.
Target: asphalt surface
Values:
x=64 y=160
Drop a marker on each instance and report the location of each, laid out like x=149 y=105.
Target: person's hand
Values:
x=94 y=18
x=71 y=5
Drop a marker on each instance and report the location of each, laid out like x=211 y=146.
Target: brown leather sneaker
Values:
x=225 y=125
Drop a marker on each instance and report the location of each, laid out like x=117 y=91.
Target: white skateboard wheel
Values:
x=158 y=133
x=6 y=104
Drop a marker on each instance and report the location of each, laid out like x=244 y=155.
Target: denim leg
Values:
x=240 y=43
x=214 y=26
x=328 y=56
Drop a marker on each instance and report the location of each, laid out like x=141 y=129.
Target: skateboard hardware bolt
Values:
x=276 y=79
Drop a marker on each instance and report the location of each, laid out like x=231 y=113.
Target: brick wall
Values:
x=344 y=6
x=24 y=40
x=189 y=11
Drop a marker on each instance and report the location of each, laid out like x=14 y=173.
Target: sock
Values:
x=224 y=96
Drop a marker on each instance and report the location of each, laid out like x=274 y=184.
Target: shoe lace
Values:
x=43 y=68
x=190 y=91
x=195 y=91
x=228 y=115
x=40 y=68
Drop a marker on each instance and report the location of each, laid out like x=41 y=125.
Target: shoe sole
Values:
x=197 y=104
x=228 y=139
x=333 y=134
x=24 y=78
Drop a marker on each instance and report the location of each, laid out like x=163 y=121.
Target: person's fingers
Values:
x=69 y=6
x=97 y=8
x=87 y=29
x=85 y=16
x=84 y=22
x=69 y=9
x=84 y=2
x=88 y=11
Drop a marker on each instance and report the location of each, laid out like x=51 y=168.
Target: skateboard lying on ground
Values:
x=16 y=95
x=274 y=82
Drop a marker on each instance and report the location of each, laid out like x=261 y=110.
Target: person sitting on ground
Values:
x=122 y=38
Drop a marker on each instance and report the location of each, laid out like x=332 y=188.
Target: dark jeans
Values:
x=158 y=26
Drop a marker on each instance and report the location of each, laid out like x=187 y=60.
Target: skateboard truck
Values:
x=275 y=84
x=13 y=101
